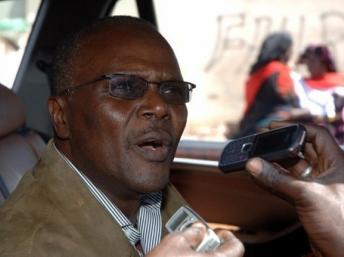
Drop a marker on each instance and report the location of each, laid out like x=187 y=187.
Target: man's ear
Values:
x=57 y=109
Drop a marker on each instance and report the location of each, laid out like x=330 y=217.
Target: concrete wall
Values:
x=217 y=41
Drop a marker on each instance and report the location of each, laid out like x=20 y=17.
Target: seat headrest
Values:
x=12 y=114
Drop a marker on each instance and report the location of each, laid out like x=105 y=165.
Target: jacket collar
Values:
x=79 y=207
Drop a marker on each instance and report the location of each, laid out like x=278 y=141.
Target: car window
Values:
x=125 y=7
x=217 y=41
x=16 y=19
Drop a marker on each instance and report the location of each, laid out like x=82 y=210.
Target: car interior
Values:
x=267 y=225
x=20 y=147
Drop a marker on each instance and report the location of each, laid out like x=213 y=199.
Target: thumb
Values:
x=194 y=234
x=275 y=178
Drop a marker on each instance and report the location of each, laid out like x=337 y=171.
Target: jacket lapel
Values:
x=87 y=220
x=82 y=216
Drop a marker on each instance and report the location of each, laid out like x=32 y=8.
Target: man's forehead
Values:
x=120 y=32
x=122 y=37
x=119 y=47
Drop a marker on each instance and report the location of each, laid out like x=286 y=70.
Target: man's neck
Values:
x=127 y=201
x=129 y=204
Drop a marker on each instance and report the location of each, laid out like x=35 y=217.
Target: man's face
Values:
x=127 y=144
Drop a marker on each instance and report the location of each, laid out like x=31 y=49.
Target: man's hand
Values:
x=318 y=198
x=182 y=244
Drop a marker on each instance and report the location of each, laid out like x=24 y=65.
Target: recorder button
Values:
x=246 y=147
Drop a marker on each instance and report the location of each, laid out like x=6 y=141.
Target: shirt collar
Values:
x=150 y=201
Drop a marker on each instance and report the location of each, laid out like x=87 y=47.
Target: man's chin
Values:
x=148 y=176
x=154 y=183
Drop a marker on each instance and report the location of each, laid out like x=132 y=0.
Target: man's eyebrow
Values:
x=147 y=74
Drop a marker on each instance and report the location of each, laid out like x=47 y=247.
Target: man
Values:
x=102 y=186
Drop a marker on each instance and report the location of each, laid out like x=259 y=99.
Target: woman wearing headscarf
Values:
x=322 y=68
x=322 y=92
x=323 y=89
x=269 y=87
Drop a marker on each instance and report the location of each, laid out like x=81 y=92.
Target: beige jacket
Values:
x=52 y=213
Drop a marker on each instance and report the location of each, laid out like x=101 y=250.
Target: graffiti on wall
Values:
x=229 y=37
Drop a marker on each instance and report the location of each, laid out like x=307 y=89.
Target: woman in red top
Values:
x=322 y=93
x=269 y=87
x=322 y=68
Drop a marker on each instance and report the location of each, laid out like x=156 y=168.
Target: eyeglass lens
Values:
x=133 y=87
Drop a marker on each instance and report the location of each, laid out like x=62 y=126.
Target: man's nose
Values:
x=153 y=106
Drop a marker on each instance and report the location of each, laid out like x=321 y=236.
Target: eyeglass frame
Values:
x=108 y=77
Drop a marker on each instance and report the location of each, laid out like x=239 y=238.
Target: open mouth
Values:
x=154 y=149
x=154 y=145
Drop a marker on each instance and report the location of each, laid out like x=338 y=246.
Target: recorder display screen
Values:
x=273 y=142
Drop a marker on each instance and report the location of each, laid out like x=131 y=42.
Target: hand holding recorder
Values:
x=184 y=244
x=314 y=185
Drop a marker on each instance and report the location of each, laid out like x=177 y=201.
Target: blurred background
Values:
x=215 y=41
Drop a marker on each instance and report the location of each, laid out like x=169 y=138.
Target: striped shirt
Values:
x=149 y=224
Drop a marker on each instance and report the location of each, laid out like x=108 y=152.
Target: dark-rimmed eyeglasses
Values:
x=131 y=87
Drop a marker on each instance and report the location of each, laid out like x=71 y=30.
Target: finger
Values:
x=327 y=151
x=317 y=135
x=321 y=150
x=299 y=168
x=310 y=153
x=230 y=247
x=275 y=178
x=308 y=150
x=194 y=234
x=311 y=159
x=321 y=139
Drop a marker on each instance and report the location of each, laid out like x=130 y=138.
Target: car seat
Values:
x=20 y=147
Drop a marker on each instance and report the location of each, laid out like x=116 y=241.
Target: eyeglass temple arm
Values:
x=69 y=90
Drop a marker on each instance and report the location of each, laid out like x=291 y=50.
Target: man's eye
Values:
x=122 y=87
x=125 y=86
x=173 y=90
